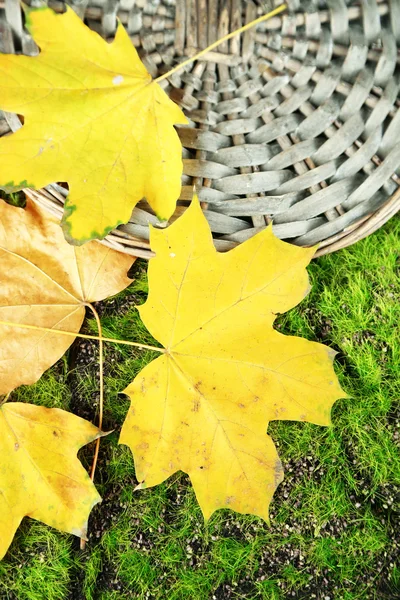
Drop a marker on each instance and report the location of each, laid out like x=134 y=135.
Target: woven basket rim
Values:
x=364 y=222
x=364 y=227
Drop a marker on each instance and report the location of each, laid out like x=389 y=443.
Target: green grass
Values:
x=333 y=519
x=15 y=198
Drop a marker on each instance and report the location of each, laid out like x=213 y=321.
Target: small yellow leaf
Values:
x=40 y=475
x=93 y=118
x=46 y=282
x=204 y=406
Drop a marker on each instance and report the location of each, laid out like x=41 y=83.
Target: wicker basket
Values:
x=296 y=121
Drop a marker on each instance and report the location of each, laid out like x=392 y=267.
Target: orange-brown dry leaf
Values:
x=204 y=406
x=40 y=475
x=46 y=282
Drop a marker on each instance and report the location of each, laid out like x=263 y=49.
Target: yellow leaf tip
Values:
x=206 y=515
x=195 y=203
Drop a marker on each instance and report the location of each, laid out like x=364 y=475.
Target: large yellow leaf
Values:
x=204 y=406
x=46 y=282
x=93 y=118
x=40 y=475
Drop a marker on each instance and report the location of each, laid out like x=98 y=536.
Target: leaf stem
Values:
x=101 y=400
x=265 y=17
x=84 y=336
x=101 y=369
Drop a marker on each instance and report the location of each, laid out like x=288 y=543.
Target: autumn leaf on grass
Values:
x=203 y=406
x=93 y=118
x=47 y=283
x=40 y=475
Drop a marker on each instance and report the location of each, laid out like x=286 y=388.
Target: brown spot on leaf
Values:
x=16 y=446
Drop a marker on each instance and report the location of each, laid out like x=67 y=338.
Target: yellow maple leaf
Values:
x=45 y=282
x=40 y=475
x=93 y=118
x=204 y=405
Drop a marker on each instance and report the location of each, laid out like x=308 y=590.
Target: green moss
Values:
x=38 y=566
x=333 y=510
x=52 y=389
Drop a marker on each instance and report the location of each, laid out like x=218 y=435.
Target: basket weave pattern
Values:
x=296 y=121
